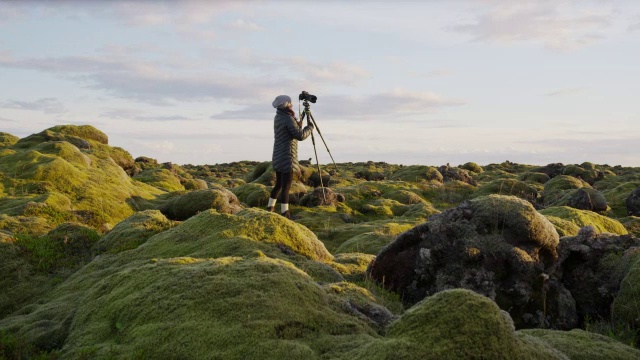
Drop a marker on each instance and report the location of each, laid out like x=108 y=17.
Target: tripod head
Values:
x=306 y=105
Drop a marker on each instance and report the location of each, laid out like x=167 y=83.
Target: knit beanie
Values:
x=280 y=100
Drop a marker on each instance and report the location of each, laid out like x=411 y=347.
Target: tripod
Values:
x=307 y=113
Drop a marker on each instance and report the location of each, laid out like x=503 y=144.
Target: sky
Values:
x=404 y=82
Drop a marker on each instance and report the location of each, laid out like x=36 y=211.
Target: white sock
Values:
x=272 y=202
x=284 y=207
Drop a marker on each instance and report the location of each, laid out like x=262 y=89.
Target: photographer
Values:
x=287 y=130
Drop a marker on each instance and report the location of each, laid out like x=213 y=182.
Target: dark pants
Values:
x=282 y=187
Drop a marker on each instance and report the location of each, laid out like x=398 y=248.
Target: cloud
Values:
x=243 y=25
x=138 y=115
x=46 y=105
x=565 y=91
x=163 y=81
x=635 y=26
x=399 y=104
x=543 y=22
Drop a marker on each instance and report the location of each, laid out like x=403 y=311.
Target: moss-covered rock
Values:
x=194 y=184
x=450 y=173
x=508 y=187
x=586 y=218
x=432 y=329
x=632 y=224
x=583 y=199
x=537 y=177
x=633 y=203
x=252 y=194
x=133 y=231
x=590 y=174
x=7 y=139
x=498 y=246
x=579 y=344
x=20 y=282
x=473 y=167
x=626 y=305
x=555 y=188
x=160 y=178
x=417 y=173
x=258 y=307
x=618 y=194
x=186 y=205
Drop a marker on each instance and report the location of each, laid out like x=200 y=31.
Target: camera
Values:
x=307 y=97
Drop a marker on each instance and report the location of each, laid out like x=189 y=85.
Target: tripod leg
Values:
x=310 y=115
x=324 y=196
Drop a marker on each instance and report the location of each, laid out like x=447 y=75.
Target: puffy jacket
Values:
x=286 y=134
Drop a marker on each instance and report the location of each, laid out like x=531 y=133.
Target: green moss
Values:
x=563 y=227
x=7 y=139
x=194 y=184
x=352 y=266
x=498 y=212
x=582 y=345
x=632 y=224
x=537 y=177
x=186 y=205
x=576 y=198
x=160 y=178
x=417 y=173
x=449 y=195
x=554 y=188
x=586 y=218
x=508 y=187
x=133 y=231
x=626 y=305
x=590 y=174
x=86 y=132
x=471 y=166
x=617 y=196
x=252 y=194
x=368 y=243
x=453 y=324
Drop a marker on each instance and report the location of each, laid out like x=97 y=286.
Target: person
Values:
x=287 y=131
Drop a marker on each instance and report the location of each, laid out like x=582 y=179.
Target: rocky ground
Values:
x=106 y=256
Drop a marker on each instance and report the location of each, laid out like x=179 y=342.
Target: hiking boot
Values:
x=271 y=208
x=288 y=215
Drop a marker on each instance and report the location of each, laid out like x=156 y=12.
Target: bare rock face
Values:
x=590 y=267
x=454 y=173
x=319 y=196
x=633 y=203
x=498 y=246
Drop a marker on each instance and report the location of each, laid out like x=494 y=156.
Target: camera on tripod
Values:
x=307 y=97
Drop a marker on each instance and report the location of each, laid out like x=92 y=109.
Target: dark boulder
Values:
x=455 y=173
x=498 y=246
x=633 y=203
x=319 y=196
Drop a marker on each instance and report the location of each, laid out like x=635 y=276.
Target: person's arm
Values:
x=295 y=130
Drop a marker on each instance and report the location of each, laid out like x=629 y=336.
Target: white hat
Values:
x=280 y=99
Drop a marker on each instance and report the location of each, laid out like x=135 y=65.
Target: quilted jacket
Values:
x=286 y=134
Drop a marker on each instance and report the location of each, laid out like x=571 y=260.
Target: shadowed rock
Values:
x=633 y=203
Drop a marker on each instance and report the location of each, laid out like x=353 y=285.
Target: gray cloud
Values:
x=46 y=105
x=565 y=91
x=398 y=104
x=541 y=22
x=140 y=116
x=635 y=26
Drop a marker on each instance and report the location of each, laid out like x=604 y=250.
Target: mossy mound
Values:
x=256 y=308
x=194 y=184
x=20 y=282
x=508 y=187
x=451 y=194
x=405 y=197
x=133 y=231
x=184 y=206
x=473 y=167
x=617 y=196
x=563 y=227
x=368 y=243
x=7 y=139
x=432 y=329
x=161 y=178
x=252 y=194
x=352 y=266
x=262 y=173
x=537 y=177
x=626 y=305
x=633 y=203
x=586 y=218
x=582 y=345
x=589 y=174
x=27 y=225
x=554 y=189
x=74 y=164
x=212 y=234
x=632 y=224
x=514 y=218
x=417 y=173
x=583 y=199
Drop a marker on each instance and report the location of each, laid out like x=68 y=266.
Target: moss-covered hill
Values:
x=107 y=256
